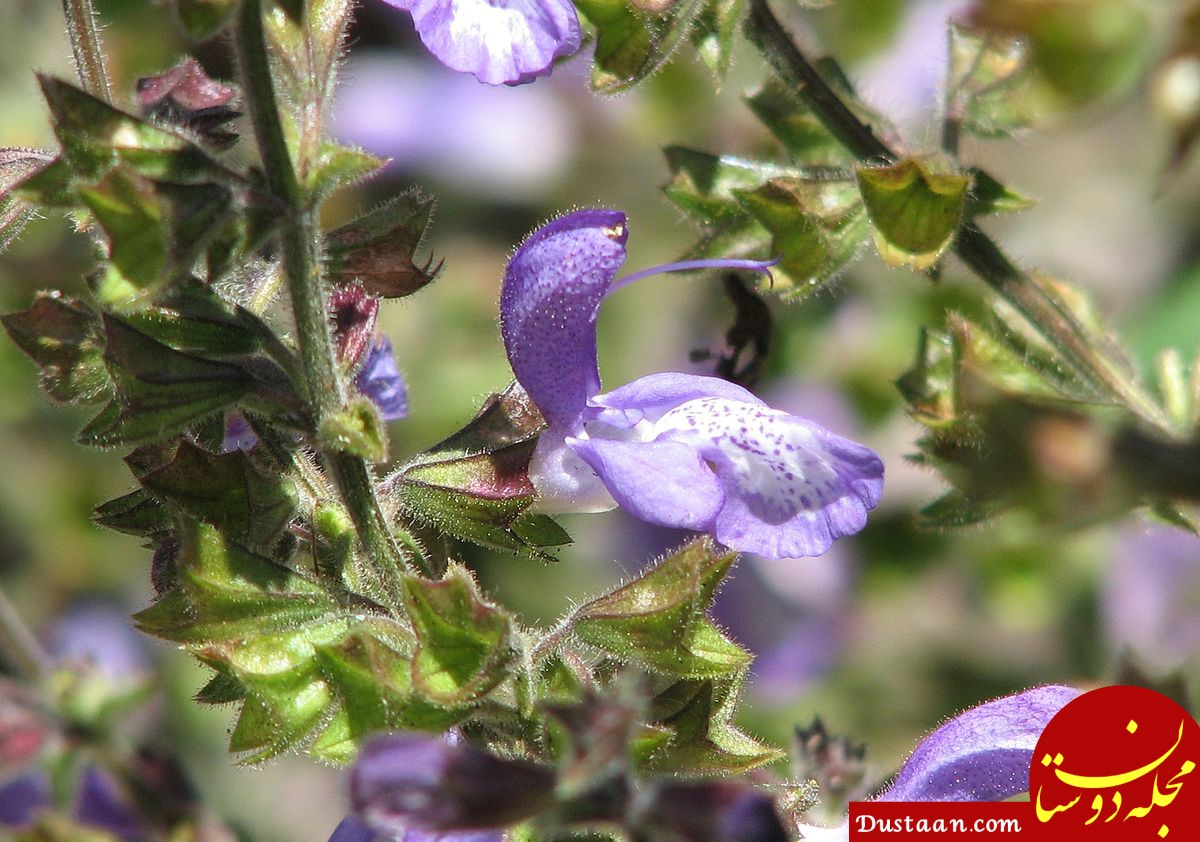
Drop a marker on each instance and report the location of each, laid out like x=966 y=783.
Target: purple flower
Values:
x=22 y=798
x=673 y=449
x=239 y=435
x=352 y=830
x=1149 y=595
x=980 y=755
x=421 y=789
x=98 y=804
x=99 y=635
x=380 y=380
x=507 y=42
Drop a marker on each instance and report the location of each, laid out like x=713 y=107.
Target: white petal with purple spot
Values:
x=791 y=486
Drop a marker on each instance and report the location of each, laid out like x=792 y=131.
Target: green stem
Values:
x=979 y=252
x=85 y=45
x=777 y=46
x=324 y=389
x=358 y=492
x=21 y=649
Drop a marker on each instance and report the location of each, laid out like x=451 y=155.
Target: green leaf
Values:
x=715 y=34
x=52 y=186
x=705 y=741
x=465 y=645
x=339 y=166
x=796 y=127
x=659 y=619
x=914 y=209
x=987 y=82
x=62 y=335
x=279 y=713
x=261 y=626
x=817 y=227
x=190 y=316
x=227 y=491
x=374 y=680
x=481 y=498
x=204 y=18
x=306 y=49
x=95 y=136
x=378 y=250
x=989 y=196
x=706 y=185
x=156 y=231
x=474 y=485
x=16 y=165
x=222 y=689
x=954 y=510
x=228 y=594
x=631 y=45
x=132 y=218
x=357 y=429
x=135 y=513
x=160 y=390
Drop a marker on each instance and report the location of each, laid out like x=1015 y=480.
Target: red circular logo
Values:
x=1118 y=763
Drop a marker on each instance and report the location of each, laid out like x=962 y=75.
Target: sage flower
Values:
x=982 y=754
x=380 y=380
x=672 y=449
x=508 y=42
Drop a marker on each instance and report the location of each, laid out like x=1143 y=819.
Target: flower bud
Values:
x=418 y=782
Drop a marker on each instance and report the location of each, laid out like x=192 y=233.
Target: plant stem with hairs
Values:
x=299 y=236
x=85 y=46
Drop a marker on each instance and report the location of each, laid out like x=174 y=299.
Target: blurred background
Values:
x=889 y=633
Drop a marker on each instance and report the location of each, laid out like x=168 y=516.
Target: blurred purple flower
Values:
x=352 y=830
x=98 y=804
x=99 y=635
x=380 y=380
x=508 y=42
x=672 y=449
x=421 y=789
x=982 y=754
x=906 y=80
x=1148 y=598
x=22 y=798
x=454 y=130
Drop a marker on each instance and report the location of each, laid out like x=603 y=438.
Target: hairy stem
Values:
x=21 y=649
x=979 y=252
x=85 y=45
x=325 y=391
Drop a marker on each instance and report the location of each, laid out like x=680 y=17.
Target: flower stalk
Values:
x=979 y=252
x=85 y=46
